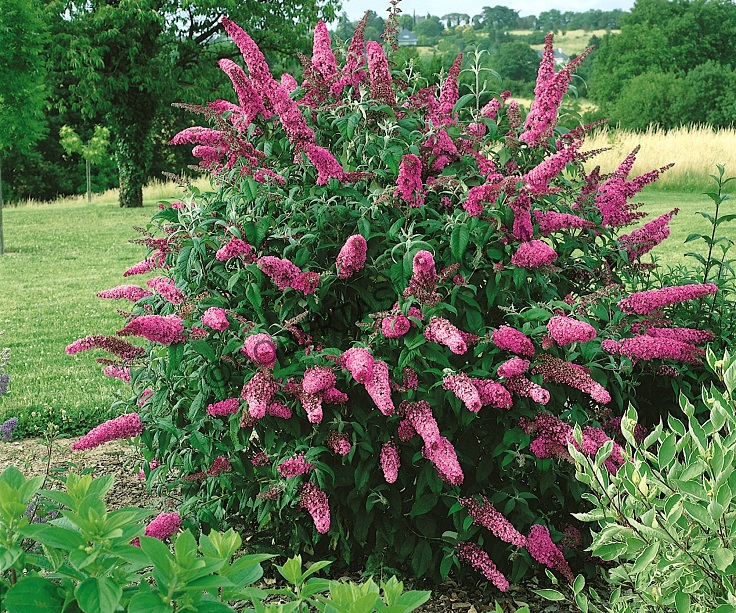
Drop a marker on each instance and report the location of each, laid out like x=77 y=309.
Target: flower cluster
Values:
x=653 y=300
x=164 y=526
x=127 y=292
x=484 y=514
x=339 y=442
x=286 y=275
x=390 y=462
x=167 y=288
x=8 y=427
x=540 y=546
x=566 y=330
x=258 y=393
x=164 y=329
x=479 y=560
x=441 y=331
x=224 y=407
x=215 y=318
x=314 y=500
x=123 y=349
x=409 y=183
x=125 y=426
x=235 y=248
x=514 y=366
x=533 y=254
x=566 y=373
x=294 y=467
x=117 y=372
x=510 y=339
x=260 y=348
x=461 y=385
x=352 y=256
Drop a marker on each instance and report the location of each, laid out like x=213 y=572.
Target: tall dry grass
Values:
x=695 y=151
x=154 y=191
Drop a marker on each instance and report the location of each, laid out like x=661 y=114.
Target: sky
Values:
x=356 y=8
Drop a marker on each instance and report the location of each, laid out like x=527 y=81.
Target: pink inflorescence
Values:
x=164 y=329
x=566 y=330
x=314 y=500
x=326 y=164
x=258 y=393
x=650 y=301
x=514 y=366
x=352 y=256
x=533 y=254
x=339 y=442
x=522 y=228
x=461 y=385
x=318 y=379
x=260 y=348
x=127 y=292
x=379 y=388
x=409 y=185
x=286 y=275
x=224 y=407
x=492 y=394
x=551 y=221
x=484 y=514
x=278 y=409
x=215 y=318
x=359 y=362
x=524 y=387
x=380 y=83
x=167 y=288
x=644 y=239
x=540 y=546
x=390 y=462
x=235 y=248
x=117 y=372
x=653 y=348
x=294 y=467
x=395 y=326
x=441 y=331
x=123 y=349
x=479 y=194
x=125 y=426
x=557 y=370
x=220 y=465
x=684 y=335
x=510 y=339
x=480 y=561
x=163 y=526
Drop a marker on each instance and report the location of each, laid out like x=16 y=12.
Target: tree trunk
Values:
x=89 y=181
x=130 y=123
x=2 y=242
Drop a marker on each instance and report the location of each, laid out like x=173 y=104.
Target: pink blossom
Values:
x=220 y=465
x=143 y=267
x=419 y=415
x=258 y=393
x=281 y=271
x=352 y=256
x=442 y=454
x=540 y=546
x=488 y=192
x=326 y=164
x=557 y=370
x=390 y=462
x=224 y=407
x=551 y=221
x=260 y=348
x=359 y=362
x=235 y=248
x=163 y=526
x=449 y=91
x=117 y=372
x=251 y=103
x=441 y=331
x=461 y=385
x=278 y=409
x=524 y=387
x=124 y=426
x=514 y=366
x=644 y=239
x=424 y=268
x=314 y=501
x=167 y=288
x=339 y=442
x=566 y=330
x=405 y=430
x=533 y=254
x=306 y=282
x=381 y=85
x=521 y=206
x=684 y=335
x=510 y=339
x=379 y=388
x=409 y=185
x=410 y=378
x=312 y=404
x=166 y=329
x=295 y=466
x=292 y=120
x=395 y=326
x=484 y=514
x=289 y=82
x=215 y=318
x=539 y=177
x=334 y=396
x=317 y=379
x=492 y=394
x=649 y=301
x=323 y=59
x=652 y=348
x=252 y=55
x=128 y=292
x=480 y=561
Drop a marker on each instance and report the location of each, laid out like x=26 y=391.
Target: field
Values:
x=58 y=257
x=572 y=42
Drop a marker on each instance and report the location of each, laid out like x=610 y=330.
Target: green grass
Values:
x=59 y=256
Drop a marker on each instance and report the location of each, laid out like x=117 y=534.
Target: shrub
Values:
x=363 y=322
x=665 y=521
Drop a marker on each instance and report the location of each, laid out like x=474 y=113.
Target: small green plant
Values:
x=77 y=555
x=667 y=518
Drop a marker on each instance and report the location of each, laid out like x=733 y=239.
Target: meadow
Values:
x=60 y=254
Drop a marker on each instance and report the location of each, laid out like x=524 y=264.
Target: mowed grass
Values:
x=57 y=258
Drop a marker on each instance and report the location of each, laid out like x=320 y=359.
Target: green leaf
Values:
x=723 y=558
x=292 y=570
x=459 y=241
x=553 y=595
x=413 y=599
x=421 y=558
x=610 y=551
x=98 y=595
x=148 y=602
x=203 y=348
x=645 y=558
x=33 y=594
x=682 y=602
x=462 y=101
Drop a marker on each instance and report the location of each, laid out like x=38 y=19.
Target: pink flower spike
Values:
x=258 y=393
x=359 y=362
x=510 y=339
x=125 y=426
x=323 y=59
x=461 y=385
x=543 y=550
x=317 y=379
x=533 y=254
x=128 y=292
x=352 y=256
x=163 y=526
x=166 y=330
x=395 y=326
x=314 y=500
x=649 y=301
x=566 y=330
x=235 y=248
x=514 y=366
x=167 y=288
x=261 y=349
x=484 y=514
x=480 y=561
x=215 y=318
x=294 y=467
x=117 y=372
x=390 y=462
x=381 y=85
x=224 y=407
x=409 y=185
x=441 y=331
x=326 y=164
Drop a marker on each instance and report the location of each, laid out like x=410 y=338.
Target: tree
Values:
x=516 y=61
x=22 y=96
x=499 y=18
x=128 y=58
x=92 y=151
x=428 y=30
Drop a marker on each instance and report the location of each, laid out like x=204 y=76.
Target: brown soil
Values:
x=31 y=457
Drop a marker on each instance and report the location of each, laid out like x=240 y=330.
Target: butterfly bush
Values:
x=382 y=325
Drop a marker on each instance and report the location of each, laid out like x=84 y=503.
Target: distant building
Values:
x=560 y=58
x=407 y=38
